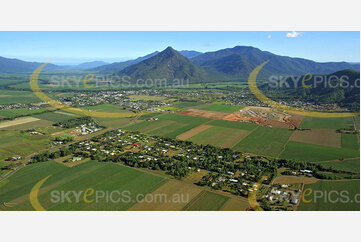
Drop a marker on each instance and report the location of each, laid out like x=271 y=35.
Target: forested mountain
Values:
x=168 y=64
x=240 y=60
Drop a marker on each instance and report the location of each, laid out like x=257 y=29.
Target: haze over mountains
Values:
x=222 y=65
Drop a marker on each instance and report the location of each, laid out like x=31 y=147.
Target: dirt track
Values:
x=17 y=122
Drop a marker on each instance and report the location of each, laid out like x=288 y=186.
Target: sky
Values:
x=78 y=46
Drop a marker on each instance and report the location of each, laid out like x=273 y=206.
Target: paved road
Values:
x=15 y=170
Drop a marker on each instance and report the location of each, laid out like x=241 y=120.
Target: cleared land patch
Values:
x=204 y=114
x=294 y=180
x=17 y=122
x=172 y=196
x=328 y=137
x=194 y=177
x=193 y=132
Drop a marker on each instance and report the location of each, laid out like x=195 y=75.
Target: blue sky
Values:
x=77 y=47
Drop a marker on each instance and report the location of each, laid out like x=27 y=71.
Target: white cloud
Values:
x=294 y=34
x=269 y=36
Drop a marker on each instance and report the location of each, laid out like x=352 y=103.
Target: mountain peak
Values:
x=169 y=65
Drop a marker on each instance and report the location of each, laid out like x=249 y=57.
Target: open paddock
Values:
x=328 y=137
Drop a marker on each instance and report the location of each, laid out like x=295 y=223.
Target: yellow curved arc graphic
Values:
x=34 y=195
x=259 y=95
x=58 y=105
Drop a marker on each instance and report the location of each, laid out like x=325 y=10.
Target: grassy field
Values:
x=168 y=125
x=105 y=108
x=147 y=98
x=265 y=141
x=206 y=201
x=56 y=116
x=334 y=201
x=222 y=108
x=311 y=152
x=349 y=141
x=12 y=113
x=327 y=123
x=99 y=176
x=219 y=136
x=15 y=143
x=137 y=190
x=11 y=97
x=352 y=165
x=233 y=125
x=328 y=137
x=185 y=105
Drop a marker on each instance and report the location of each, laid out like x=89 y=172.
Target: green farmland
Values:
x=327 y=123
x=345 y=196
x=206 y=201
x=311 y=152
x=352 y=165
x=13 y=113
x=218 y=107
x=168 y=125
x=101 y=177
x=265 y=141
x=349 y=141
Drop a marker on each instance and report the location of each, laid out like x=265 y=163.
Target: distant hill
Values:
x=189 y=53
x=89 y=65
x=168 y=64
x=238 y=62
x=118 y=66
x=327 y=89
x=8 y=65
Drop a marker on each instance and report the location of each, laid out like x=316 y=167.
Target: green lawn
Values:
x=265 y=141
x=327 y=123
x=222 y=108
x=310 y=152
x=342 y=198
x=349 y=141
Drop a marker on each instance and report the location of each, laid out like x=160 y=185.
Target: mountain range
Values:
x=241 y=60
x=223 y=65
x=8 y=65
